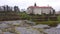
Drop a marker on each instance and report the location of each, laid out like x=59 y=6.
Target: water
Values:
x=23 y=30
x=53 y=30
x=58 y=26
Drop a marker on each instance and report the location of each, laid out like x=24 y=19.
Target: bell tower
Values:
x=35 y=4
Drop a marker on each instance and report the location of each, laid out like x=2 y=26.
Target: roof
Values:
x=39 y=7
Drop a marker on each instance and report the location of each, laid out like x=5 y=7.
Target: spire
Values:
x=35 y=4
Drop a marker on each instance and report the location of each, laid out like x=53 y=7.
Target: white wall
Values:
x=40 y=10
x=29 y=10
x=37 y=10
x=46 y=10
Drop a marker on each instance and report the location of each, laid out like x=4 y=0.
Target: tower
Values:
x=35 y=4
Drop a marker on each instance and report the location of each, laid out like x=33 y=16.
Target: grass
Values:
x=50 y=23
x=46 y=22
x=58 y=18
x=8 y=15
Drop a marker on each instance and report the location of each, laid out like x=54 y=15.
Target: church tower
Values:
x=35 y=4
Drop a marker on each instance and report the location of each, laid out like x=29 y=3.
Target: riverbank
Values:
x=22 y=27
x=51 y=20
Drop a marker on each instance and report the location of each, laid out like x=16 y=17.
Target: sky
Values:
x=23 y=4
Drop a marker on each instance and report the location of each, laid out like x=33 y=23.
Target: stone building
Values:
x=39 y=9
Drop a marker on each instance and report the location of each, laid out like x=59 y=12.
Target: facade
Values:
x=39 y=10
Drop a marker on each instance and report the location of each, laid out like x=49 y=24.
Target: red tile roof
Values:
x=39 y=7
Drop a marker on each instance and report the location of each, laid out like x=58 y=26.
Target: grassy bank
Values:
x=50 y=23
x=8 y=15
x=46 y=19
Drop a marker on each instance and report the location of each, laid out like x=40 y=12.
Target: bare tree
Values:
x=16 y=9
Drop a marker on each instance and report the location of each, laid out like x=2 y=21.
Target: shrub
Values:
x=53 y=24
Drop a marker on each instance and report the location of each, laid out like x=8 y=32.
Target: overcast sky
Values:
x=23 y=4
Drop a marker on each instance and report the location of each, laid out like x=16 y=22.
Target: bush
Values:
x=53 y=24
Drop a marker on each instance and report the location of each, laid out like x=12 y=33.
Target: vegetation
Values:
x=8 y=15
x=47 y=21
x=51 y=20
x=39 y=19
x=59 y=18
x=24 y=15
x=50 y=23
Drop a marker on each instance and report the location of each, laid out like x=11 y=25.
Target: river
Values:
x=53 y=30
